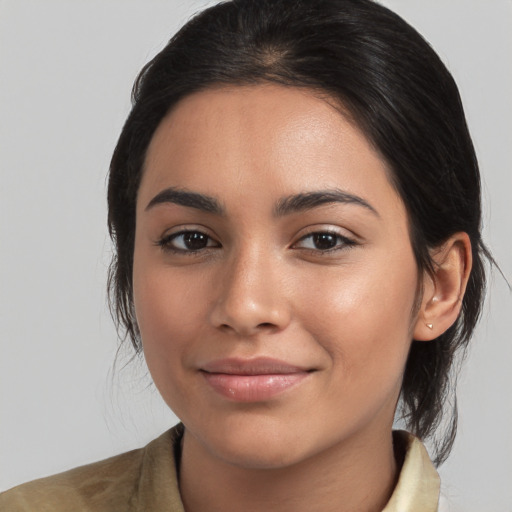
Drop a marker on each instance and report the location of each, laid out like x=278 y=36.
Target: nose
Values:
x=251 y=296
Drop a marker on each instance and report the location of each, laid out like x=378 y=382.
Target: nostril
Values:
x=266 y=325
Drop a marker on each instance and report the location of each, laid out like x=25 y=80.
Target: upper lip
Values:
x=254 y=366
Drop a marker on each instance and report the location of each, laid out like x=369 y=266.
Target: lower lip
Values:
x=253 y=388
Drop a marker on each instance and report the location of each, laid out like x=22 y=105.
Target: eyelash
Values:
x=346 y=243
x=166 y=241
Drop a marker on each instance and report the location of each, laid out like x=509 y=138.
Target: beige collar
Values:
x=418 y=485
x=417 y=489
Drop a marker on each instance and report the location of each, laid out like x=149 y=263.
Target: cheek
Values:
x=363 y=316
x=170 y=315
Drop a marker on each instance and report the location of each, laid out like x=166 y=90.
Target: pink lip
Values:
x=252 y=380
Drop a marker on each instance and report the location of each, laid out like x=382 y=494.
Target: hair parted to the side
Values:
x=395 y=88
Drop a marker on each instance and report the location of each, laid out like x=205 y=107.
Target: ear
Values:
x=444 y=289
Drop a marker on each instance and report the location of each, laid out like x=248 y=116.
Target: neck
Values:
x=359 y=474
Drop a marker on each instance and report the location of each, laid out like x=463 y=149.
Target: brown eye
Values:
x=324 y=241
x=194 y=241
x=187 y=241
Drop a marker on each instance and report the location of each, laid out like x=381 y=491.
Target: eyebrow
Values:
x=309 y=200
x=285 y=206
x=189 y=199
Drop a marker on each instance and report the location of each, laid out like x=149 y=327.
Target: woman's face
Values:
x=274 y=279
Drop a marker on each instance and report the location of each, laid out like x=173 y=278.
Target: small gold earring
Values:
x=430 y=326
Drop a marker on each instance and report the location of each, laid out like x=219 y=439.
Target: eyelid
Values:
x=164 y=241
x=347 y=241
x=187 y=228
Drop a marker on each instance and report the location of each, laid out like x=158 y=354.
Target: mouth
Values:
x=252 y=380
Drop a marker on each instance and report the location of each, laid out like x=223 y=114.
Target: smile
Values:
x=253 y=380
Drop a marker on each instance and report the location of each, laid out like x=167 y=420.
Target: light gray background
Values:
x=66 y=70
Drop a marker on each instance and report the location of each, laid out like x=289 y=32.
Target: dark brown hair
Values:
x=395 y=88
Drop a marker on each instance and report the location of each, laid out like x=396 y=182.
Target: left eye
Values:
x=324 y=241
x=187 y=241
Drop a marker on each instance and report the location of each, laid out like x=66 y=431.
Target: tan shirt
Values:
x=145 y=480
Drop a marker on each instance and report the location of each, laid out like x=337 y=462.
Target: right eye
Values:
x=189 y=241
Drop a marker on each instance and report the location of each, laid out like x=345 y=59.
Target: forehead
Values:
x=267 y=138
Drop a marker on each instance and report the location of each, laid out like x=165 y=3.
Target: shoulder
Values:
x=107 y=485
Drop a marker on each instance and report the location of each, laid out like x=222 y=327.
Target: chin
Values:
x=256 y=441
x=259 y=453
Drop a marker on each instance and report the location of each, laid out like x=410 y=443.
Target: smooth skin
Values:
x=330 y=286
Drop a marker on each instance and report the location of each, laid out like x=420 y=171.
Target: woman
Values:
x=295 y=204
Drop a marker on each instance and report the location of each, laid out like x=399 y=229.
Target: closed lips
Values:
x=256 y=366
x=253 y=380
